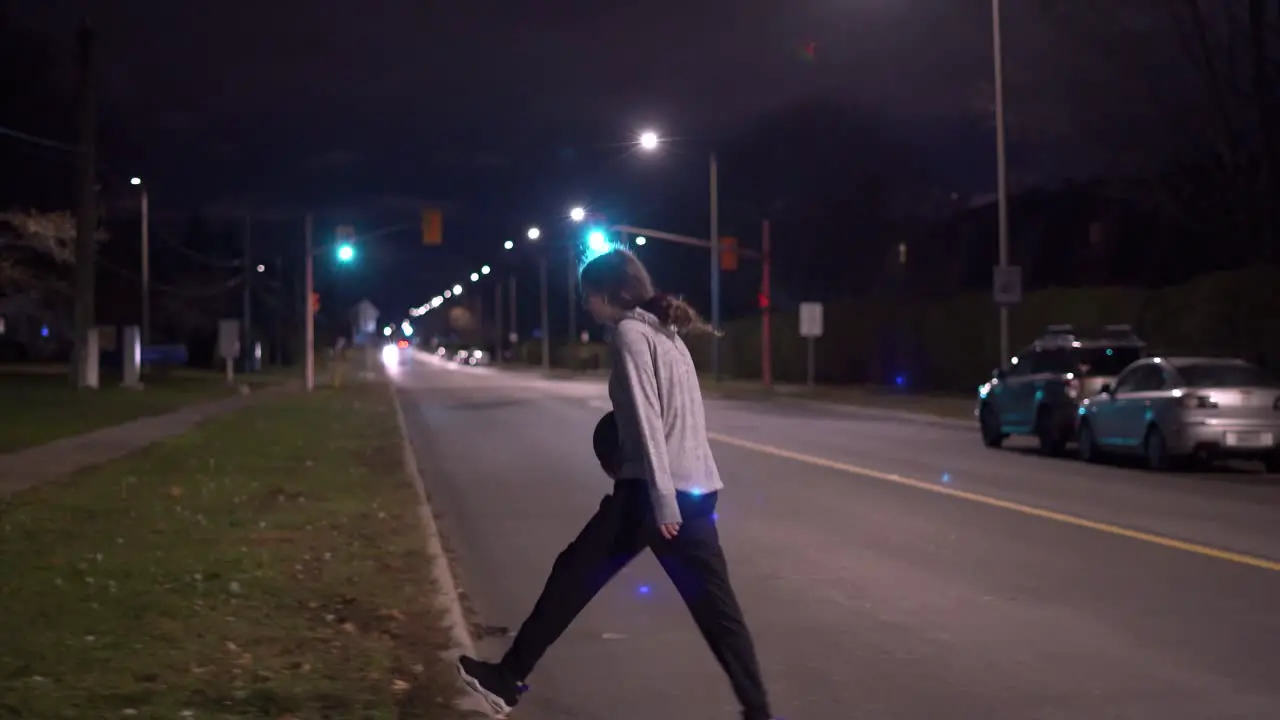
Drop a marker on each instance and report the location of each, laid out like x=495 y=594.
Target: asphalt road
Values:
x=890 y=568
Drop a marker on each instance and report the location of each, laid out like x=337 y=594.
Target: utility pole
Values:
x=249 y=270
x=146 y=269
x=85 y=364
x=278 y=335
x=766 y=308
x=715 y=266
x=308 y=313
x=1002 y=173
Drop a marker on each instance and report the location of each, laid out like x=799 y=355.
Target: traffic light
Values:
x=346 y=252
x=315 y=302
x=432 y=227
x=763 y=300
x=728 y=253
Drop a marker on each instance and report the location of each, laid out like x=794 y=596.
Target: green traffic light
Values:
x=346 y=253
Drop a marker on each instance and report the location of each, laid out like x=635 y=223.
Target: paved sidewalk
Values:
x=32 y=466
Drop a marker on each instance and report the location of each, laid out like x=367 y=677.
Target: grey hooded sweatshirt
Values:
x=658 y=403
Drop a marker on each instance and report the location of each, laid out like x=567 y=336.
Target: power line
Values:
x=45 y=142
x=204 y=292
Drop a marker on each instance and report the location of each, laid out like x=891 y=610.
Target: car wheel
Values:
x=1157 y=450
x=1272 y=464
x=1087 y=444
x=1051 y=442
x=990 y=426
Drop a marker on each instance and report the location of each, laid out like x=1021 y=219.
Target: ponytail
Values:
x=675 y=313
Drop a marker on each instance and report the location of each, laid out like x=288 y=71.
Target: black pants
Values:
x=620 y=529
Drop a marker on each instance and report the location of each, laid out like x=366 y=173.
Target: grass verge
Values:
x=50 y=408
x=269 y=564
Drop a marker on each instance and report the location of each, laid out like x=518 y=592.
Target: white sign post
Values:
x=811 y=330
x=229 y=345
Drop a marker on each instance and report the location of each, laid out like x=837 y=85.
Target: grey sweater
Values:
x=658 y=404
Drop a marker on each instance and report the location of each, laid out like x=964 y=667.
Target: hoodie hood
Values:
x=647 y=318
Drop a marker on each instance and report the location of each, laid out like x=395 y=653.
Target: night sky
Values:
x=508 y=112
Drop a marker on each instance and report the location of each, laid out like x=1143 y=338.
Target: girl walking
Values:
x=664 y=494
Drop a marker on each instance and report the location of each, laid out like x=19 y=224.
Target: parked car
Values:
x=1039 y=391
x=1168 y=409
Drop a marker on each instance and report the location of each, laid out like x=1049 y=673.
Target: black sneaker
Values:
x=491 y=682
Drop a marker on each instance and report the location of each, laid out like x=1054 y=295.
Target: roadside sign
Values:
x=1006 y=286
x=229 y=338
x=811 y=319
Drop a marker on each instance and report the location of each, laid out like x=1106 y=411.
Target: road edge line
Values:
x=460 y=640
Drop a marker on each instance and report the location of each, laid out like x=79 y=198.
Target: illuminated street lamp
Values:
x=578 y=214
x=508 y=245
x=485 y=270
x=534 y=233
x=457 y=289
x=448 y=294
x=640 y=240
x=475 y=277
x=649 y=141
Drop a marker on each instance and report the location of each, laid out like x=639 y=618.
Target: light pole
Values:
x=1002 y=181
x=534 y=235
x=146 y=262
x=649 y=141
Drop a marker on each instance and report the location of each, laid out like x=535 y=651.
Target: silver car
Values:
x=1169 y=409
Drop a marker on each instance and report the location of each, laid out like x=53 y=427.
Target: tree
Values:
x=1180 y=94
x=37 y=250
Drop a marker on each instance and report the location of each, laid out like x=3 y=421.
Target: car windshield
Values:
x=1106 y=361
x=1086 y=361
x=1224 y=375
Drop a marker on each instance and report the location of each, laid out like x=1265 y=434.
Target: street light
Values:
x=485 y=270
x=145 y=240
x=534 y=233
x=649 y=142
x=508 y=245
x=448 y=294
x=475 y=277
x=457 y=289
x=578 y=214
x=640 y=240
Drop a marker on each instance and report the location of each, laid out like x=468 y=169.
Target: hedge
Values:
x=951 y=345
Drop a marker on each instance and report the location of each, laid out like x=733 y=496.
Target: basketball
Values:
x=607 y=444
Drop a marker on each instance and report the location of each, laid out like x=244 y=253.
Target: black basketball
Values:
x=607 y=444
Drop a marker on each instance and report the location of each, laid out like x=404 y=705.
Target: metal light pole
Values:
x=146 y=262
x=546 y=332
x=1002 y=181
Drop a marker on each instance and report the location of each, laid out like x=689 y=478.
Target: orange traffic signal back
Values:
x=728 y=253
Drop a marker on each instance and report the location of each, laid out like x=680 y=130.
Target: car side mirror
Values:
x=1105 y=389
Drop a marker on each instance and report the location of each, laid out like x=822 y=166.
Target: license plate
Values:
x=1250 y=439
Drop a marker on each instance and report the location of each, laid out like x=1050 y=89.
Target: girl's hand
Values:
x=670 y=530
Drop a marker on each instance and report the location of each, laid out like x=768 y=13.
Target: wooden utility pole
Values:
x=85 y=362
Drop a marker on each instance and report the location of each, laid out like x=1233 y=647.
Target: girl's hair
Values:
x=622 y=280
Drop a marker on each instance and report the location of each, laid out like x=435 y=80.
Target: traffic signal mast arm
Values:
x=680 y=239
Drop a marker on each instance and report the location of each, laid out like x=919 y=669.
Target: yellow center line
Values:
x=1033 y=511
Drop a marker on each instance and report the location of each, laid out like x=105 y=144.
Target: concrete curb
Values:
x=460 y=640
